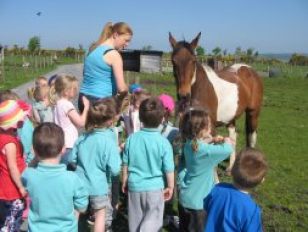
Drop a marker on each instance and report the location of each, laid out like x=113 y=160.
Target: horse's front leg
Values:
x=232 y=135
x=251 y=127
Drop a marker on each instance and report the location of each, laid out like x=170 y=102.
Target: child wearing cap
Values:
x=166 y=127
x=12 y=164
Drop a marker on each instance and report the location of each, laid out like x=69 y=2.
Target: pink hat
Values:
x=167 y=101
x=10 y=114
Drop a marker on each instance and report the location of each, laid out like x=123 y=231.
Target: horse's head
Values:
x=184 y=65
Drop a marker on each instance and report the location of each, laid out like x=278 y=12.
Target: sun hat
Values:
x=133 y=88
x=27 y=108
x=10 y=114
x=167 y=101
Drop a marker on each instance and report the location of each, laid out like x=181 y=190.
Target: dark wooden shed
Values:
x=142 y=61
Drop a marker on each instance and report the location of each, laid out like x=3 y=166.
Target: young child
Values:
x=12 y=164
x=132 y=123
x=42 y=110
x=167 y=128
x=55 y=192
x=201 y=157
x=147 y=158
x=65 y=113
x=97 y=153
x=229 y=207
x=26 y=130
x=39 y=82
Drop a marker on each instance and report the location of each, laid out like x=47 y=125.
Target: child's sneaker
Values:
x=173 y=221
x=91 y=220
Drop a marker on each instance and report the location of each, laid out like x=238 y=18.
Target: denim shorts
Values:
x=99 y=202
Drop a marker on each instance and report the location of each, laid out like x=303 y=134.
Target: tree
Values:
x=200 y=51
x=34 y=44
x=216 y=51
x=147 y=48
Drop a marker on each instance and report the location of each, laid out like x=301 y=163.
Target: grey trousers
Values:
x=145 y=211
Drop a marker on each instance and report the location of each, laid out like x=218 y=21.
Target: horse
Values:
x=226 y=94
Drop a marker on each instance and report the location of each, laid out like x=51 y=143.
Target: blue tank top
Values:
x=98 y=78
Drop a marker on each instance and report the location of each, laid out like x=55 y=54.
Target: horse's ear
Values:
x=172 y=40
x=194 y=42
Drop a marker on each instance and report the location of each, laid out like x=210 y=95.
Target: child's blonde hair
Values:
x=40 y=93
x=192 y=125
x=101 y=114
x=38 y=81
x=64 y=82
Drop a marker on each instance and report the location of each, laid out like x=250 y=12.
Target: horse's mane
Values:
x=183 y=44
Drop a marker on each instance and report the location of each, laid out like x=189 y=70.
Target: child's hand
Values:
x=218 y=139
x=23 y=192
x=229 y=140
x=124 y=188
x=122 y=145
x=168 y=192
x=85 y=102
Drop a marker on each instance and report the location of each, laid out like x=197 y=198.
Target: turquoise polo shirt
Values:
x=199 y=174
x=98 y=79
x=148 y=156
x=25 y=135
x=97 y=153
x=54 y=193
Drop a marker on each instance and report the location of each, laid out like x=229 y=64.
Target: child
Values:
x=131 y=118
x=42 y=109
x=65 y=113
x=97 y=153
x=201 y=157
x=12 y=164
x=55 y=192
x=39 y=82
x=167 y=128
x=147 y=158
x=26 y=130
x=230 y=207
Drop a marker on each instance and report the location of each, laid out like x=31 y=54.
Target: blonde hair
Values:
x=109 y=29
x=64 y=82
x=40 y=93
x=39 y=79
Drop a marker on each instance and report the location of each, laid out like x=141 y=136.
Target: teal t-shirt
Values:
x=96 y=153
x=199 y=176
x=148 y=156
x=54 y=193
x=98 y=79
x=25 y=134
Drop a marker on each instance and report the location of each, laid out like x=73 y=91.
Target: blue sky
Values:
x=268 y=26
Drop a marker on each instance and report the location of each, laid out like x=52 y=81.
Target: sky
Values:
x=267 y=26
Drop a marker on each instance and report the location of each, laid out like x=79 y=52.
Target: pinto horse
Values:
x=226 y=94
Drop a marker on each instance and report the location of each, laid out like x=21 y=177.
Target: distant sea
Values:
x=285 y=57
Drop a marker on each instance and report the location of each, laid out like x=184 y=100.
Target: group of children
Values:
x=75 y=159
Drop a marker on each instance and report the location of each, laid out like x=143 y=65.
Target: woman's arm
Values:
x=114 y=59
x=10 y=152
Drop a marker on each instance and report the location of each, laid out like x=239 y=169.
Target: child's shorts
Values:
x=99 y=202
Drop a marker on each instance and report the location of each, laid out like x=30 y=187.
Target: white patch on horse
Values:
x=236 y=67
x=227 y=96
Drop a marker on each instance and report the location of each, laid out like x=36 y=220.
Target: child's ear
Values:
x=63 y=150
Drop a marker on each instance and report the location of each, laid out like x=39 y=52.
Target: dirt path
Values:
x=73 y=69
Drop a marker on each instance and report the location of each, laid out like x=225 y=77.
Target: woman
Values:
x=103 y=67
